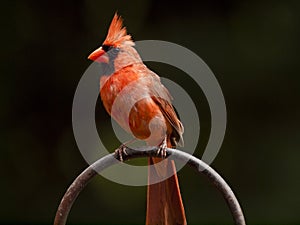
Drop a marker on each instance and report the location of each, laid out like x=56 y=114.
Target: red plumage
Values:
x=134 y=96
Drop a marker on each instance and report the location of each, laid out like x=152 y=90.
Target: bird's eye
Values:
x=106 y=48
x=115 y=51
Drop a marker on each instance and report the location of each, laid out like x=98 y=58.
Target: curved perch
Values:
x=82 y=180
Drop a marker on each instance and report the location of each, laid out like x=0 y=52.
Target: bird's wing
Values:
x=162 y=97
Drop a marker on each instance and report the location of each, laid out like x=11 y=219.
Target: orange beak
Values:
x=99 y=55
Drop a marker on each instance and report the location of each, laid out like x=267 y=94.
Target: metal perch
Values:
x=82 y=180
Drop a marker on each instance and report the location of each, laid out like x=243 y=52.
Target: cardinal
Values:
x=135 y=97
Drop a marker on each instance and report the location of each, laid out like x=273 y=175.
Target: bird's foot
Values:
x=121 y=152
x=162 y=149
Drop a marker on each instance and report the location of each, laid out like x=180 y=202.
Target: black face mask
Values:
x=112 y=52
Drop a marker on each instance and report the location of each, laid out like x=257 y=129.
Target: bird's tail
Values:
x=164 y=202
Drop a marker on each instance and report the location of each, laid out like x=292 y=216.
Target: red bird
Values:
x=134 y=96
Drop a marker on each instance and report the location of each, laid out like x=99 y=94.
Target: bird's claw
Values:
x=121 y=152
x=162 y=149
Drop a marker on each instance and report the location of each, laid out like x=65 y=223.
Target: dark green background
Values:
x=251 y=46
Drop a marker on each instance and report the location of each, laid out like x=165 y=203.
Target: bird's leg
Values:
x=162 y=148
x=121 y=150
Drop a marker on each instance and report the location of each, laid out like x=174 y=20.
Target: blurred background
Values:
x=252 y=48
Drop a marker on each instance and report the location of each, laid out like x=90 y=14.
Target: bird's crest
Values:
x=117 y=34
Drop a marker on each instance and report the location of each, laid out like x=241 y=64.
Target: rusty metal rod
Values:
x=82 y=180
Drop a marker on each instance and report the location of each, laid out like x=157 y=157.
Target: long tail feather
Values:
x=164 y=202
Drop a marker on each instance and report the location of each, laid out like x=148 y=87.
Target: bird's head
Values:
x=117 y=47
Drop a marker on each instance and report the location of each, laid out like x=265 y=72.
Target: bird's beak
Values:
x=99 y=55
